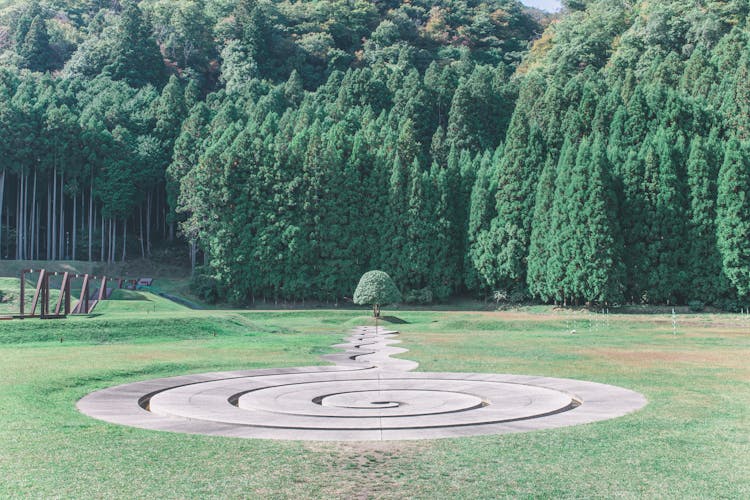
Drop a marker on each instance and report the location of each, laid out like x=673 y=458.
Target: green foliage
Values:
x=579 y=250
x=294 y=145
x=540 y=243
x=377 y=289
x=481 y=211
x=642 y=82
x=35 y=50
x=205 y=286
x=510 y=230
x=709 y=281
x=422 y=296
x=733 y=215
x=135 y=57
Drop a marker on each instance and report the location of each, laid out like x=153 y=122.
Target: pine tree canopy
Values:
x=597 y=156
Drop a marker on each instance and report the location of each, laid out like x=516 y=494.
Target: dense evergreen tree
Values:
x=35 y=50
x=563 y=265
x=136 y=57
x=733 y=215
x=540 y=241
x=598 y=232
x=294 y=145
x=510 y=230
x=708 y=282
x=481 y=213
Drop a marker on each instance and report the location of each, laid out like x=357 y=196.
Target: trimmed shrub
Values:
x=377 y=289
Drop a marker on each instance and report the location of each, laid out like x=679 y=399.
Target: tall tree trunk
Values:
x=109 y=241
x=192 y=257
x=163 y=215
x=148 y=223
x=101 y=247
x=25 y=240
x=33 y=219
x=18 y=216
x=2 y=196
x=26 y=214
x=91 y=215
x=21 y=216
x=54 y=213
x=124 y=237
x=82 y=231
x=82 y=226
x=114 y=239
x=38 y=220
x=19 y=224
x=75 y=221
x=62 y=247
x=7 y=233
x=49 y=226
x=15 y=215
x=140 y=227
x=111 y=254
x=30 y=236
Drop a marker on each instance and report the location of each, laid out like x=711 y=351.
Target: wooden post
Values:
x=39 y=284
x=102 y=289
x=83 y=301
x=42 y=296
x=44 y=292
x=23 y=288
x=67 y=298
x=62 y=295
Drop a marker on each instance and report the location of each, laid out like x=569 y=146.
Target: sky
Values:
x=548 y=5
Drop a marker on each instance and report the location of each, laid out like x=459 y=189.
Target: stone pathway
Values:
x=367 y=395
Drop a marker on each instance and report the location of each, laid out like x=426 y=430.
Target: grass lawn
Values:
x=692 y=440
x=11 y=291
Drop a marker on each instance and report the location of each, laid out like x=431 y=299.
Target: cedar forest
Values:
x=598 y=155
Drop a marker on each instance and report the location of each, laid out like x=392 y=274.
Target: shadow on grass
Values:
x=395 y=320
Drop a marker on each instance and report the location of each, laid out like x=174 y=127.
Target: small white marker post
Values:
x=674 y=322
x=607 y=316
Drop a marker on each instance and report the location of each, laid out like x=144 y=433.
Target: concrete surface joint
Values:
x=367 y=395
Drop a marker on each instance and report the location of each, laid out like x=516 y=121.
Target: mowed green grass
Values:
x=11 y=301
x=122 y=301
x=691 y=441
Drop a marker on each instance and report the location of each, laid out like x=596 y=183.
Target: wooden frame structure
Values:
x=86 y=302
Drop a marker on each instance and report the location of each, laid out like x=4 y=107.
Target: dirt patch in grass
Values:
x=726 y=329
x=713 y=358
x=368 y=469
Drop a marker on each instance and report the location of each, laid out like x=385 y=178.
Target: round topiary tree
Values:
x=377 y=289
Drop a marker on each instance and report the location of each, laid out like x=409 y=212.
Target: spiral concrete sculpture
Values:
x=366 y=395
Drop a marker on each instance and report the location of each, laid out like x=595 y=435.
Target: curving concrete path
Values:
x=367 y=395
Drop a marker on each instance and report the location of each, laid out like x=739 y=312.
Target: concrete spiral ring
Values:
x=366 y=395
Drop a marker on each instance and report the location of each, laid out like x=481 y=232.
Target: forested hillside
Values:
x=127 y=123
x=295 y=145
x=631 y=136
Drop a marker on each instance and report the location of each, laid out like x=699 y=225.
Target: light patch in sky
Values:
x=548 y=5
